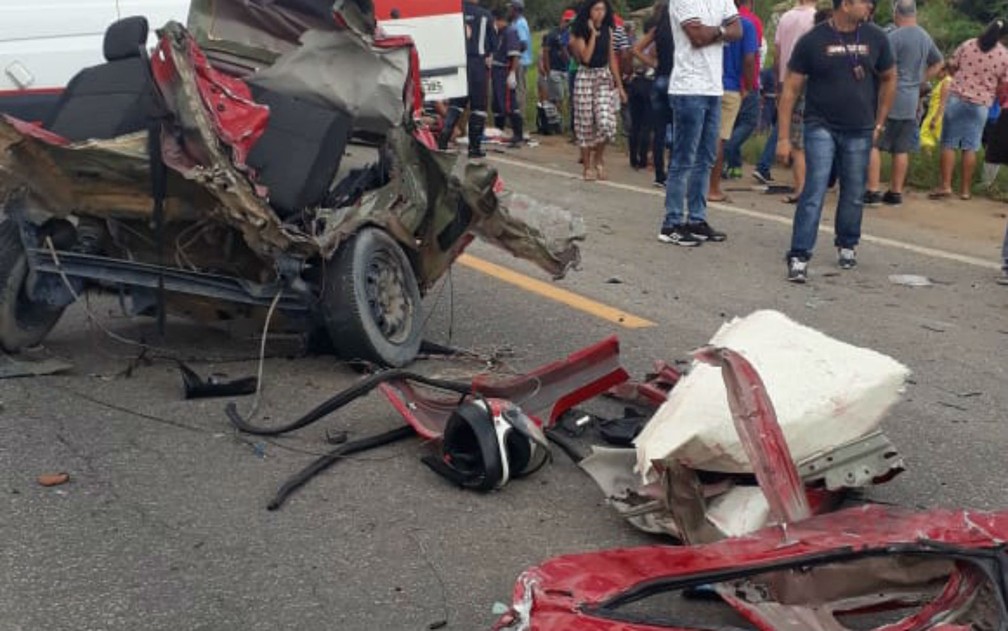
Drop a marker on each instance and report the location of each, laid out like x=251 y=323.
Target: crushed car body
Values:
x=869 y=567
x=769 y=402
x=211 y=178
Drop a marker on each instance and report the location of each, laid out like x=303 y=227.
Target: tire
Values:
x=23 y=323
x=371 y=301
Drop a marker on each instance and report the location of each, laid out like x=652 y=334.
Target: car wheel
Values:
x=371 y=300
x=23 y=323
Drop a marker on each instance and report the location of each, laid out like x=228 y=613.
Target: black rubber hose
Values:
x=334 y=403
x=324 y=462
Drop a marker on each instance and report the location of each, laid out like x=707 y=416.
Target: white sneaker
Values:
x=846 y=258
x=797 y=270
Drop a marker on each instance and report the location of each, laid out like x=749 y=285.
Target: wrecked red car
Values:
x=216 y=178
x=865 y=568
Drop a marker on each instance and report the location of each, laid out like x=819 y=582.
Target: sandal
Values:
x=965 y=197
x=588 y=175
x=600 y=171
x=939 y=194
x=792 y=199
x=723 y=199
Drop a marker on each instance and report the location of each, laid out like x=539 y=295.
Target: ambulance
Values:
x=43 y=43
x=438 y=30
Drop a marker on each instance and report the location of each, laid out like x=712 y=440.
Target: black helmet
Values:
x=487 y=442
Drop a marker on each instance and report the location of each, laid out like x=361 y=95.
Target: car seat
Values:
x=114 y=98
x=299 y=153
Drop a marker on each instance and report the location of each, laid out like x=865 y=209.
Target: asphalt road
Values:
x=163 y=525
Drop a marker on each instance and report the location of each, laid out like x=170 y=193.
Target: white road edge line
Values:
x=755 y=214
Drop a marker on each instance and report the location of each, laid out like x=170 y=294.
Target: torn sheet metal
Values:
x=869 y=460
x=760 y=434
x=675 y=500
x=339 y=69
x=826 y=393
x=652 y=391
x=870 y=567
x=196 y=387
x=544 y=394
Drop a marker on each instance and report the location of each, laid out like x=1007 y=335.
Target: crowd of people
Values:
x=692 y=89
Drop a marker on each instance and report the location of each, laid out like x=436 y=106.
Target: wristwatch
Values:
x=721 y=31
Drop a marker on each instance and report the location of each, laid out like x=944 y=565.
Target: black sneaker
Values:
x=477 y=153
x=679 y=235
x=1003 y=278
x=797 y=270
x=873 y=198
x=846 y=258
x=658 y=184
x=702 y=230
x=892 y=199
x=763 y=177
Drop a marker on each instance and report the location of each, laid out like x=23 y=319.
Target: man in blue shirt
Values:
x=521 y=26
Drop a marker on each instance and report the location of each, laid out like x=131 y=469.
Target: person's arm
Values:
x=933 y=70
x=748 y=73
x=614 y=70
x=749 y=48
x=887 y=94
x=886 y=66
x=700 y=35
x=582 y=48
x=792 y=87
x=935 y=63
x=544 y=61
x=642 y=45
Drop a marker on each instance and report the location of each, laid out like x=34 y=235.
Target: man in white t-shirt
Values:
x=700 y=29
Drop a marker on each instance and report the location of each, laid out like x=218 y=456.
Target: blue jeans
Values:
x=745 y=125
x=769 y=152
x=822 y=145
x=661 y=118
x=1004 y=252
x=696 y=122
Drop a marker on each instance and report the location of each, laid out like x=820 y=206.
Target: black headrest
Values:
x=125 y=38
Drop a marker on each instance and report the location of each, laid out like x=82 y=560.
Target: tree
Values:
x=982 y=10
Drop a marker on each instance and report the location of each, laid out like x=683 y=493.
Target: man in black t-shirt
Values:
x=480 y=44
x=847 y=68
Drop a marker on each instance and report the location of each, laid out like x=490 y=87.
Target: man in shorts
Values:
x=917 y=61
x=739 y=72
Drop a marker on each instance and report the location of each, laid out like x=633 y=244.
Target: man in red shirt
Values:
x=748 y=115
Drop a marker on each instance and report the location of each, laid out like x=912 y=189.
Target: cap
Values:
x=618 y=20
x=518 y=4
x=568 y=15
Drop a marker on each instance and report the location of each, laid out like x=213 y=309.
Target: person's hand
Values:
x=784 y=151
x=876 y=134
x=594 y=29
x=512 y=80
x=623 y=96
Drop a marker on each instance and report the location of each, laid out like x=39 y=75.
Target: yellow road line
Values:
x=569 y=298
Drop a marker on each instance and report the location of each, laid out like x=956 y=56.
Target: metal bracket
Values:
x=854 y=464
